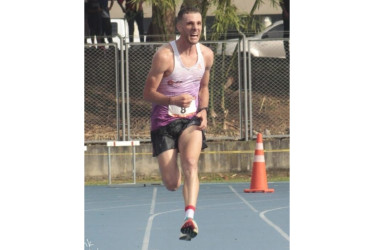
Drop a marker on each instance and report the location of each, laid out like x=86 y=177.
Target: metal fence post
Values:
x=117 y=88
x=245 y=85
x=109 y=168
x=133 y=164
x=240 y=91
x=127 y=91
x=123 y=89
x=250 y=91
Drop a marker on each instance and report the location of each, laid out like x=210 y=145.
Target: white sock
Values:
x=190 y=212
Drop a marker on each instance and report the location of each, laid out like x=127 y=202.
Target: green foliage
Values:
x=158 y=3
x=228 y=16
x=225 y=16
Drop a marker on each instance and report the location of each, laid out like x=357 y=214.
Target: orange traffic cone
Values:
x=258 y=179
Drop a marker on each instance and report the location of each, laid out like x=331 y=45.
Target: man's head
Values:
x=189 y=24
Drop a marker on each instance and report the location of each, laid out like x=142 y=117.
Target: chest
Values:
x=188 y=61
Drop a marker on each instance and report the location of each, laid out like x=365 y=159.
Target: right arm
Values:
x=162 y=64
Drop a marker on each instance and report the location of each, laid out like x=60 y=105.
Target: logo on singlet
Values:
x=171 y=82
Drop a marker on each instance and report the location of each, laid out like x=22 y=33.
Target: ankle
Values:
x=190 y=212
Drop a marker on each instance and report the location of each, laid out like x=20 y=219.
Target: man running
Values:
x=177 y=87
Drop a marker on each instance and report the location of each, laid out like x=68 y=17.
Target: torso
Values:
x=183 y=76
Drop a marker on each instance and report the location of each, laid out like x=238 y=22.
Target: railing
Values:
x=249 y=91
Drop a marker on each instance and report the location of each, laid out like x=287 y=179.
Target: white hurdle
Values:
x=122 y=144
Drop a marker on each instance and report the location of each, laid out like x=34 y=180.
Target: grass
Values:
x=272 y=176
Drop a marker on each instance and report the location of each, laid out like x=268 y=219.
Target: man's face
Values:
x=190 y=27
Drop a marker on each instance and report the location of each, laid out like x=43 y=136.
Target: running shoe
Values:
x=185 y=237
x=189 y=230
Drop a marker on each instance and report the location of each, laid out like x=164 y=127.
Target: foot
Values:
x=185 y=237
x=189 y=230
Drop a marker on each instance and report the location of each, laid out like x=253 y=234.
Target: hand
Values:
x=202 y=115
x=183 y=100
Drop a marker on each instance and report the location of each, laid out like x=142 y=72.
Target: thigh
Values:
x=95 y=24
x=167 y=160
x=162 y=140
x=190 y=144
x=107 y=27
x=139 y=20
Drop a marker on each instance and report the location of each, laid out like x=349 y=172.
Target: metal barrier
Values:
x=269 y=88
x=101 y=93
x=249 y=92
x=131 y=144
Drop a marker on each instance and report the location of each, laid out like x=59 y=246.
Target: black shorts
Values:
x=166 y=137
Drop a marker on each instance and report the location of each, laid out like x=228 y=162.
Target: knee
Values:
x=172 y=186
x=190 y=168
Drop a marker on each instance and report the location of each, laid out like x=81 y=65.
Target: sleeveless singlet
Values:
x=181 y=80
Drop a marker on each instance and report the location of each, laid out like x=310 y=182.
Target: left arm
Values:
x=204 y=88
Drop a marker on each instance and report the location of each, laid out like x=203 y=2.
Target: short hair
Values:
x=186 y=10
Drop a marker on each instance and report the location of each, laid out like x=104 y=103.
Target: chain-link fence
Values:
x=248 y=92
x=101 y=92
x=138 y=63
x=269 y=88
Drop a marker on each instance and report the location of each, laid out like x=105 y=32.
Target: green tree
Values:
x=162 y=25
x=227 y=17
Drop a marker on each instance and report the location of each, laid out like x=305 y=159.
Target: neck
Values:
x=185 y=47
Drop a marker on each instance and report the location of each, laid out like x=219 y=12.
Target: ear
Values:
x=179 y=26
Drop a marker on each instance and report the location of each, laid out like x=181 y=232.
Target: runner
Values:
x=177 y=87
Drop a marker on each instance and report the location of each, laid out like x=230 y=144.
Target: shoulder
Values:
x=207 y=54
x=206 y=50
x=163 y=59
x=164 y=53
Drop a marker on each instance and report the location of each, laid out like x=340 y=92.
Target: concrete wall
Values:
x=219 y=157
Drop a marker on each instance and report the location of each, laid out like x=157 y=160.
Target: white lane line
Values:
x=147 y=233
x=278 y=229
x=244 y=200
x=262 y=214
x=152 y=211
